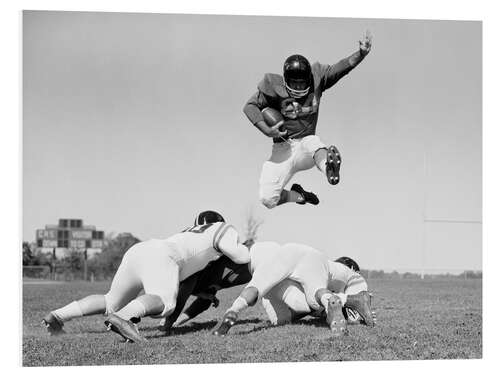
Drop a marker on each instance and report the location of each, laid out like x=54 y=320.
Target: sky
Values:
x=134 y=123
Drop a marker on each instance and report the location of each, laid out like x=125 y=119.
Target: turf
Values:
x=417 y=319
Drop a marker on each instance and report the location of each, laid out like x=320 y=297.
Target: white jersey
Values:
x=287 y=300
x=200 y=244
x=343 y=279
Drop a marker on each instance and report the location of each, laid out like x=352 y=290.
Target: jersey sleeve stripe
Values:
x=221 y=234
x=215 y=236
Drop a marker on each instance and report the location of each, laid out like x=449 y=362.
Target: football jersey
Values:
x=342 y=278
x=200 y=244
x=301 y=115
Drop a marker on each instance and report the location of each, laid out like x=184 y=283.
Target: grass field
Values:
x=417 y=319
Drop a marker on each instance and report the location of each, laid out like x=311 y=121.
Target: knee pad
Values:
x=250 y=294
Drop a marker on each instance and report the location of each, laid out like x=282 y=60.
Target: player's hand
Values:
x=274 y=131
x=365 y=45
x=183 y=318
x=249 y=242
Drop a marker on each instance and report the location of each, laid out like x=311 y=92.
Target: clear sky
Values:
x=134 y=122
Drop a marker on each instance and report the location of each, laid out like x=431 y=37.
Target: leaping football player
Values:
x=286 y=109
x=271 y=263
x=286 y=302
x=157 y=267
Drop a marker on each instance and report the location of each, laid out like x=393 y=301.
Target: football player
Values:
x=286 y=302
x=220 y=274
x=157 y=267
x=296 y=147
x=271 y=263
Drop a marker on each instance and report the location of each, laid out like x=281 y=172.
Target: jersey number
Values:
x=198 y=228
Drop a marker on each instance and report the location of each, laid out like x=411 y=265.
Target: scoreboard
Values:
x=70 y=233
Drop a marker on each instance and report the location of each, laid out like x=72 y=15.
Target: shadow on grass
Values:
x=190 y=328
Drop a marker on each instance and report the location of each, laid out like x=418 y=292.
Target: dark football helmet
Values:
x=346 y=261
x=297 y=75
x=208 y=217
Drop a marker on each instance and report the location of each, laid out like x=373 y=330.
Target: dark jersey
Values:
x=220 y=274
x=301 y=115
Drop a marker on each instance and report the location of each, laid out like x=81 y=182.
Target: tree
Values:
x=105 y=264
x=27 y=254
x=252 y=224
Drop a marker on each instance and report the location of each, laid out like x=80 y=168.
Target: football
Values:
x=272 y=116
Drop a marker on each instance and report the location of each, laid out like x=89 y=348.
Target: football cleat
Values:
x=308 y=196
x=333 y=161
x=228 y=320
x=335 y=317
x=361 y=303
x=53 y=324
x=124 y=328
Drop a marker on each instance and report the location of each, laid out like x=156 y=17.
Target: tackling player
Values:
x=220 y=274
x=272 y=263
x=157 y=267
x=297 y=95
x=286 y=302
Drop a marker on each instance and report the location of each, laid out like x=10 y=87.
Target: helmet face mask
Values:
x=208 y=217
x=297 y=76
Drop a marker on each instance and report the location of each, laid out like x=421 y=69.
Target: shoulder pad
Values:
x=272 y=85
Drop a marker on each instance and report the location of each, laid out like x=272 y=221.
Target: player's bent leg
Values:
x=274 y=176
x=248 y=297
x=90 y=305
x=277 y=311
x=186 y=288
x=126 y=284
x=144 y=305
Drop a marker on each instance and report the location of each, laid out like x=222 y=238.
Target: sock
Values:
x=134 y=309
x=320 y=159
x=238 y=305
x=293 y=196
x=324 y=300
x=68 y=312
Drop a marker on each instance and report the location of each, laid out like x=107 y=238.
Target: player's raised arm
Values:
x=227 y=242
x=344 y=66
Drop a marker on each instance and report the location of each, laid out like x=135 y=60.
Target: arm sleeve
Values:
x=227 y=243
x=333 y=73
x=355 y=284
x=253 y=107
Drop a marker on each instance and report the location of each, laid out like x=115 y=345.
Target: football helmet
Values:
x=346 y=261
x=208 y=217
x=297 y=76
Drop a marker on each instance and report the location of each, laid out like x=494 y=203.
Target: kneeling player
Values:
x=272 y=263
x=157 y=267
x=286 y=302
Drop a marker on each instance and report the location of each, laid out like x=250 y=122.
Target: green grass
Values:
x=417 y=319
